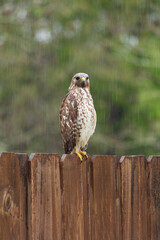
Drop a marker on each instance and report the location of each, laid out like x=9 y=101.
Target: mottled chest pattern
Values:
x=86 y=112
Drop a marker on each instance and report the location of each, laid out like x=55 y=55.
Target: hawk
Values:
x=77 y=116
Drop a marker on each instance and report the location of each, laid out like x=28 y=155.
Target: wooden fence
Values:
x=43 y=197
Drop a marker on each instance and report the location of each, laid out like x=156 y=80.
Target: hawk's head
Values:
x=80 y=80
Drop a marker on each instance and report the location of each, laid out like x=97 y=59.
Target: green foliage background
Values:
x=44 y=43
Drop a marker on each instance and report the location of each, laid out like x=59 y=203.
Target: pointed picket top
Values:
x=8 y=155
x=130 y=157
x=107 y=157
x=43 y=156
x=73 y=157
x=31 y=156
x=152 y=157
x=68 y=157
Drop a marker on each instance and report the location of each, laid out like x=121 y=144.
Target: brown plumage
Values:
x=77 y=115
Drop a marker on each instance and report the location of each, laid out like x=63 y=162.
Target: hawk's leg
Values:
x=79 y=155
x=83 y=153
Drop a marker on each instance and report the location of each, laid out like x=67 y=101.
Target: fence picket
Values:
x=13 y=195
x=154 y=167
x=75 y=200
x=135 y=212
x=106 y=198
x=44 y=220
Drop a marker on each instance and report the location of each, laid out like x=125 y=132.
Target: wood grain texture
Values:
x=135 y=211
x=154 y=167
x=44 y=201
x=75 y=184
x=43 y=198
x=106 y=215
x=13 y=195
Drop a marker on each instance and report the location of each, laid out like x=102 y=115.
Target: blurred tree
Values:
x=43 y=44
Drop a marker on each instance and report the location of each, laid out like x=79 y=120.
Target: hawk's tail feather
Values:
x=69 y=146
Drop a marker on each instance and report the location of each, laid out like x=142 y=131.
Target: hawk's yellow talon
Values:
x=83 y=153
x=79 y=155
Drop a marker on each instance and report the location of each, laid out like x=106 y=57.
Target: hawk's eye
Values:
x=87 y=78
x=77 y=78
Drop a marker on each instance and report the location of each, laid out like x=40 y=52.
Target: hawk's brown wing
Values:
x=68 y=122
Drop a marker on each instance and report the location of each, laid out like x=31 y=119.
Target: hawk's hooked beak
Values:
x=83 y=81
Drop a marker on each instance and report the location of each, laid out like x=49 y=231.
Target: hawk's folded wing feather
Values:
x=68 y=122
